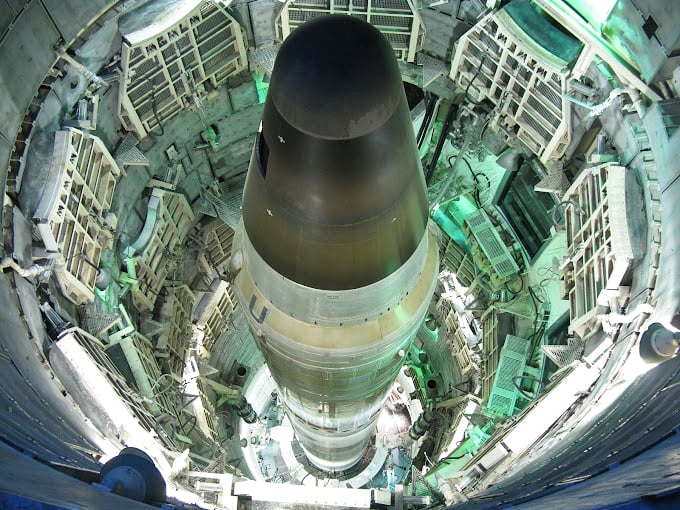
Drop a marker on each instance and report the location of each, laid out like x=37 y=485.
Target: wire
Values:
x=535 y=296
x=565 y=204
x=450 y=114
x=474 y=77
x=526 y=377
x=477 y=191
x=488 y=181
x=475 y=177
x=154 y=109
x=517 y=257
x=549 y=275
x=539 y=322
x=457 y=457
x=515 y=292
x=481 y=133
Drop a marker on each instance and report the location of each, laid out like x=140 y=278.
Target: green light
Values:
x=530 y=19
x=446 y=223
x=261 y=85
x=102 y=294
x=449 y=216
x=479 y=436
x=596 y=13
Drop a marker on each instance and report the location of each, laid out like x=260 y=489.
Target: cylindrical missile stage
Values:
x=336 y=264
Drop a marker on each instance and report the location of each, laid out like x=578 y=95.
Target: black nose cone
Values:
x=335 y=198
x=336 y=77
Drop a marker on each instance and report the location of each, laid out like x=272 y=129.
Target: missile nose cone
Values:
x=336 y=78
x=335 y=197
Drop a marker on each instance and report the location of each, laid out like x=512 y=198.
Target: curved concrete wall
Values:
x=37 y=418
x=30 y=31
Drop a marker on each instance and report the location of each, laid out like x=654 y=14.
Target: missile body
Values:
x=336 y=264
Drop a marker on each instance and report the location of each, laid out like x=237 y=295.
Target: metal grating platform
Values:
x=398 y=20
x=174 y=66
x=70 y=213
x=599 y=242
x=498 y=61
x=563 y=355
x=264 y=57
x=490 y=242
x=512 y=361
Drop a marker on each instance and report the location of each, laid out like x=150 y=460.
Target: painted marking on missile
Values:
x=269 y=212
x=281 y=139
x=251 y=308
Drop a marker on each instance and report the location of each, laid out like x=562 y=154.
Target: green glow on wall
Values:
x=261 y=85
x=529 y=17
x=446 y=223
x=449 y=216
x=595 y=13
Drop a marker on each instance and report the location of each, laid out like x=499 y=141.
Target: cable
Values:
x=457 y=457
x=534 y=295
x=474 y=77
x=477 y=190
x=481 y=133
x=429 y=111
x=475 y=176
x=450 y=115
x=517 y=257
x=515 y=292
x=519 y=388
x=538 y=330
x=565 y=203
x=488 y=181
x=544 y=271
x=154 y=109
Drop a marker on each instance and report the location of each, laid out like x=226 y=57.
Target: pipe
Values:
x=581 y=88
x=92 y=77
x=147 y=231
x=601 y=143
x=29 y=272
x=658 y=343
x=579 y=102
x=449 y=178
x=598 y=109
x=606 y=71
x=619 y=318
x=450 y=115
x=429 y=111
x=245 y=410
x=636 y=98
x=422 y=425
x=565 y=203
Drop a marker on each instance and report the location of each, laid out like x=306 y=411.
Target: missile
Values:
x=335 y=262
